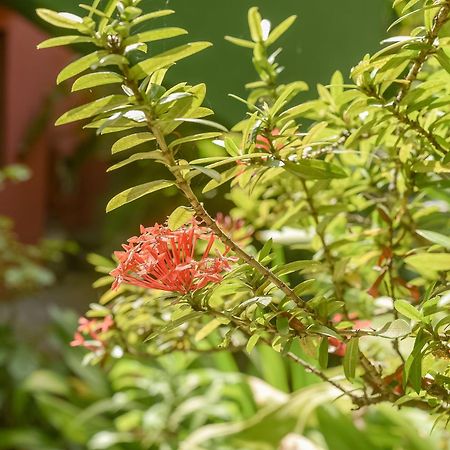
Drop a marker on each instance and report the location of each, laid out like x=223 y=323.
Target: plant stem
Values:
x=199 y=209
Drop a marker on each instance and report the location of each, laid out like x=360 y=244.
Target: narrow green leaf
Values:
x=393 y=330
x=208 y=123
x=208 y=172
x=252 y=341
x=91 y=80
x=351 y=358
x=443 y=59
x=436 y=238
x=294 y=266
x=279 y=30
x=408 y=310
x=80 y=65
x=240 y=42
x=136 y=192
x=99 y=106
x=152 y=15
x=193 y=138
x=254 y=23
x=131 y=141
x=315 y=169
x=150 y=65
x=224 y=177
x=322 y=330
x=180 y=217
x=155 y=35
x=323 y=353
x=211 y=326
x=60 y=19
x=430 y=261
x=282 y=325
x=64 y=40
x=137 y=157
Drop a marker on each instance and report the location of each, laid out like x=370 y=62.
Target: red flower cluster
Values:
x=93 y=329
x=162 y=259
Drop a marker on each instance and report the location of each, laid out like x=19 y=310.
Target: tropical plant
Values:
x=352 y=188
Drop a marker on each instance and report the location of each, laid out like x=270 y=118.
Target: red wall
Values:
x=28 y=82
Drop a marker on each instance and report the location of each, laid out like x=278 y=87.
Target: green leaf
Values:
x=150 y=65
x=413 y=371
x=254 y=23
x=282 y=325
x=322 y=330
x=408 y=310
x=393 y=330
x=156 y=154
x=315 y=169
x=208 y=172
x=240 y=42
x=96 y=79
x=152 y=15
x=208 y=123
x=193 y=138
x=279 y=30
x=351 y=358
x=99 y=106
x=294 y=266
x=155 y=35
x=211 y=326
x=131 y=141
x=323 y=353
x=436 y=238
x=443 y=59
x=252 y=341
x=180 y=217
x=60 y=19
x=64 y=40
x=429 y=261
x=80 y=65
x=136 y=192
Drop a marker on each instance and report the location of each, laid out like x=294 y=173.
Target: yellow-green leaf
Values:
x=131 y=141
x=180 y=217
x=60 y=19
x=254 y=23
x=80 y=65
x=152 y=15
x=137 y=157
x=150 y=65
x=240 y=42
x=430 y=261
x=155 y=35
x=136 y=192
x=351 y=358
x=63 y=40
x=280 y=29
x=92 y=109
x=194 y=137
x=315 y=169
x=91 y=80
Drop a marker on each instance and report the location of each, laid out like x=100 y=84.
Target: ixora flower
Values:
x=264 y=143
x=93 y=329
x=162 y=259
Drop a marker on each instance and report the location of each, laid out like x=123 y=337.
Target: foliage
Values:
x=50 y=401
x=352 y=188
x=22 y=266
